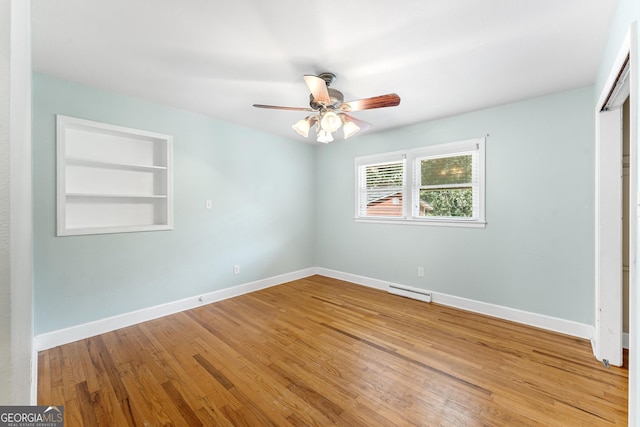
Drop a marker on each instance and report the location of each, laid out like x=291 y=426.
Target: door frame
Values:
x=607 y=339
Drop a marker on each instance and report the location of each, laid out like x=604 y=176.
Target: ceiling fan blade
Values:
x=318 y=88
x=388 y=100
x=276 y=107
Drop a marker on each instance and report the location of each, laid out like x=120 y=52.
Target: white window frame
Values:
x=411 y=184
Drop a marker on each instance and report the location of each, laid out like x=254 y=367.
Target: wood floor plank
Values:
x=178 y=400
x=72 y=370
x=44 y=379
x=143 y=410
x=89 y=372
x=109 y=410
x=320 y=351
x=87 y=403
x=74 y=413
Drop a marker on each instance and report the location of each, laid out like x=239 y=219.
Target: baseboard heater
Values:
x=406 y=291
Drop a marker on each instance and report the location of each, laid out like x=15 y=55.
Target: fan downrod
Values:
x=327 y=77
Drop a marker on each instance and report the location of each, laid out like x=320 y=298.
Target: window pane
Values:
x=447 y=170
x=450 y=202
x=381 y=194
x=387 y=175
x=386 y=205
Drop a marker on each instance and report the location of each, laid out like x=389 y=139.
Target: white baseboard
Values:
x=75 y=333
x=86 y=330
x=625 y=340
x=354 y=278
x=554 y=324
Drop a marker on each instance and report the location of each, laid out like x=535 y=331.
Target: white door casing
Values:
x=607 y=341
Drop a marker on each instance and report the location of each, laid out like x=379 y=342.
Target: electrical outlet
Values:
x=236 y=269
x=420 y=271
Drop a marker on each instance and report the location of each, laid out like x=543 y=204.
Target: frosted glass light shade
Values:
x=302 y=127
x=330 y=121
x=350 y=129
x=324 y=137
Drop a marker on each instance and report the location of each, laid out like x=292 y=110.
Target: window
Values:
x=435 y=185
x=381 y=187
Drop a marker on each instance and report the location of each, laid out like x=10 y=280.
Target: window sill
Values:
x=425 y=222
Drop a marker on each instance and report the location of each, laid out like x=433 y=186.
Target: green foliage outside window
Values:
x=448 y=192
x=452 y=202
x=447 y=170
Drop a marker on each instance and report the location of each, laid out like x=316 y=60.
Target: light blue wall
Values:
x=536 y=253
x=261 y=186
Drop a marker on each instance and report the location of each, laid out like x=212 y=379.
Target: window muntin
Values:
x=446 y=185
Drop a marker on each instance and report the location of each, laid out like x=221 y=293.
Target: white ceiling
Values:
x=218 y=58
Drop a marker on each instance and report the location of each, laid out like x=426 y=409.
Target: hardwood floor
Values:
x=322 y=352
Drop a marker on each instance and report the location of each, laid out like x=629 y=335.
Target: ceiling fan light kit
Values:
x=350 y=129
x=302 y=126
x=330 y=121
x=331 y=110
x=324 y=136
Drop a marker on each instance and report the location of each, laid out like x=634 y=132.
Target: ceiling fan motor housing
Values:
x=335 y=96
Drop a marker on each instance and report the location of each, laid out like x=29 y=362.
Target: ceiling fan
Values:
x=330 y=112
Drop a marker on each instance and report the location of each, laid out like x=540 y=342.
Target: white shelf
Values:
x=111 y=165
x=117 y=196
x=112 y=179
x=114 y=229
